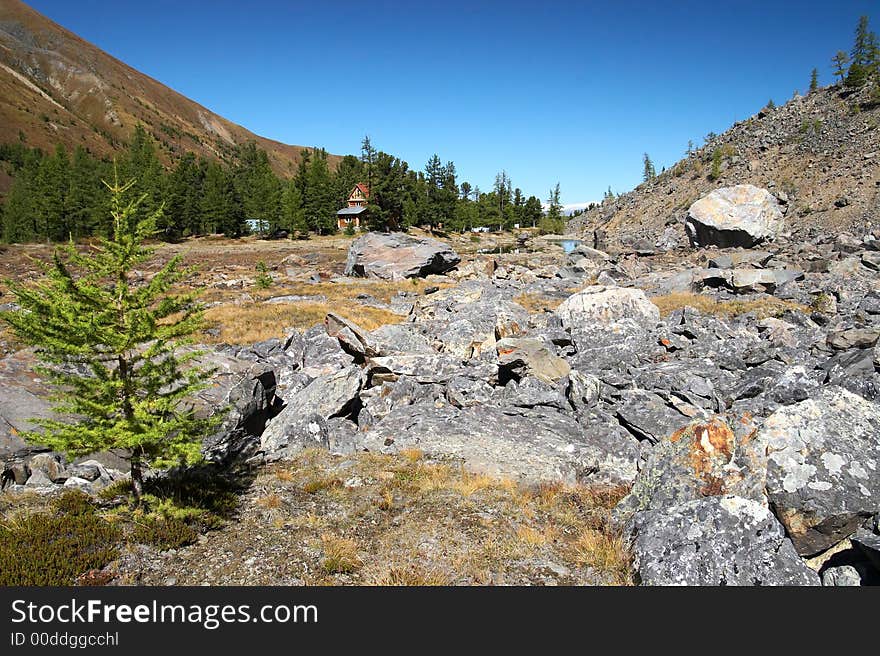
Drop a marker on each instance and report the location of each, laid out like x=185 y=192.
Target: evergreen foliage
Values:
x=110 y=346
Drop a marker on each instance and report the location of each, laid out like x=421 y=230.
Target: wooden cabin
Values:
x=356 y=209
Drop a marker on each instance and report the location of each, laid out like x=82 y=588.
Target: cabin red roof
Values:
x=364 y=189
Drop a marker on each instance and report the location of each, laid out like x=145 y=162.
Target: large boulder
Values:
x=395 y=255
x=823 y=468
x=724 y=540
x=743 y=215
x=600 y=306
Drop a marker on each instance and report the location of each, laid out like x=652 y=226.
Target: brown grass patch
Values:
x=413 y=576
x=340 y=554
x=537 y=303
x=761 y=307
x=270 y=501
x=246 y=324
x=604 y=550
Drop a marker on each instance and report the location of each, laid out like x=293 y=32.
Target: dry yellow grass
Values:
x=429 y=522
x=246 y=324
x=340 y=554
x=255 y=321
x=536 y=303
x=762 y=307
x=413 y=576
x=270 y=501
x=605 y=550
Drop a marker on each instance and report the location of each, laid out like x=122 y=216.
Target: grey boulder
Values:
x=823 y=468
x=395 y=255
x=723 y=540
x=743 y=215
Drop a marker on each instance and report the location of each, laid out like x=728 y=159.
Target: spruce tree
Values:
x=648 y=172
x=109 y=347
x=814 y=80
x=864 y=58
x=839 y=63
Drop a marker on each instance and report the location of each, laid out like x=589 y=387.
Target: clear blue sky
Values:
x=572 y=92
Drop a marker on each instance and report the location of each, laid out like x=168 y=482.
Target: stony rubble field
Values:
x=729 y=395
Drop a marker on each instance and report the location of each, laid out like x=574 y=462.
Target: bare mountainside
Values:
x=819 y=154
x=57 y=88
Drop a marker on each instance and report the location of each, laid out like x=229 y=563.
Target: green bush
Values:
x=164 y=532
x=263 y=279
x=54 y=549
x=717 y=157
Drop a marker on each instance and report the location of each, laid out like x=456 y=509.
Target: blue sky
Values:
x=572 y=92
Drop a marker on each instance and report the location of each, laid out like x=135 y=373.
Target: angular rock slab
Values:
x=395 y=256
x=743 y=215
x=527 y=445
x=723 y=540
x=331 y=395
x=823 y=468
x=533 y=356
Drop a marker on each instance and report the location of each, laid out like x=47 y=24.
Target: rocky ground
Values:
x=732 y=393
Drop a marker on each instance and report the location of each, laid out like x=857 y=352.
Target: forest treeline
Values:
x=60 y=195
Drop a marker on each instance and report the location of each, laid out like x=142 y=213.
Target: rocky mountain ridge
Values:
x=819 y=154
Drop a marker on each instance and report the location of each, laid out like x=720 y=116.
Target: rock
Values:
x=322 y=354
x=39 y=478
x=398 y=339
x=706 y=458
x=523 y=444
x=78 y=483
x=869 y=544
x=721 y=540
x=51 y=464
x=426 y=368
x=352 y=338
x=871 y=259
x=531 y=392
x=583 y=391
x=743 y=215
x=823 y=478
x=528 y=356
x=612 y=453
x=844 y=575
x=853 y=338
x=396 y=255
x=647 y=416
x=380 y=400
x=295 y=298
x=288 y=438
x=599 y=306
x=464 y=392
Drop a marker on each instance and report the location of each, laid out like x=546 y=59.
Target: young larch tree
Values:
x=110 y=348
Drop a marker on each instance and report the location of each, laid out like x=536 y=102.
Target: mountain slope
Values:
x=56 y=87
x=818 y=153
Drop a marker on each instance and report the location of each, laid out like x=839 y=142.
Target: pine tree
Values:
x=648 y=172
x=814 y=80
x=553 y=223
x=51 y=196
x=82 y=199
x=110 y=348
x=839 y=63
x=220 y=208
x=864 y=56
x=293 y=215
x=368 y=159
